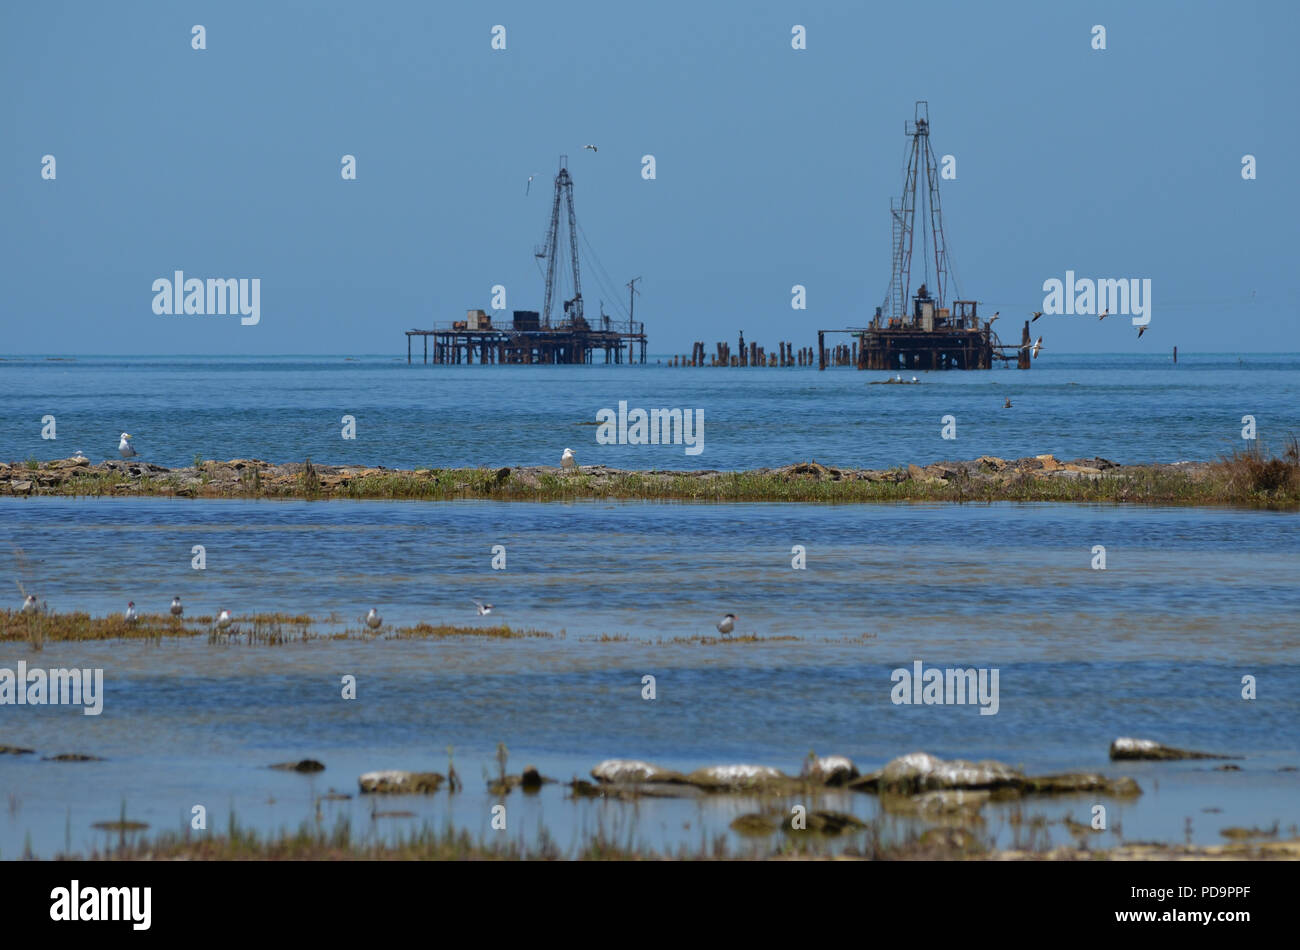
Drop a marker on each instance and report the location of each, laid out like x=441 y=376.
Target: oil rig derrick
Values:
x=922 y=329
x=534 y=337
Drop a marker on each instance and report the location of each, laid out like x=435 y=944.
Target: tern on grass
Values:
x=130 y=615
x=177 y=609
x=29 y=605
x=727 y=624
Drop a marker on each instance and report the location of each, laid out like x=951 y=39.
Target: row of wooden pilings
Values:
x=752 y=355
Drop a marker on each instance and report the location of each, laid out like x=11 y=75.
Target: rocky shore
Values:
x=987 y=478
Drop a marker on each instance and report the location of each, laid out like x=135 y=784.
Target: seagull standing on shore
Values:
x=177 y=609
x=125 y=448
x=80 y=457
x=373 y=620
x=727 y=624
x=567 y=461
x=483 y=609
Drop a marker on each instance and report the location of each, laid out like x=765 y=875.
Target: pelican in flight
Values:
x=592 y=147
x=1038 y=345
x=1141 y=330
x=567 y=461
x=727 y=624
x=483 y=609
x=177 y=609
x=125 y=447
x=373 y=620
x=1037 y=314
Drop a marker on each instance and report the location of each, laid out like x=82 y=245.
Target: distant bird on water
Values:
x=567 y=461
x=727 y=624
x=592 y=147
x=1007 y=404
x=125 y=447
x=373 y=620
x=177 y=609
x=1037 y=314
x=483 y=609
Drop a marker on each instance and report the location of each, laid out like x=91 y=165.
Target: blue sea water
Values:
x=1157 y=645
x=1126 y=408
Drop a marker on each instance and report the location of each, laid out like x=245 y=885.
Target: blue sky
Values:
x=774 y=166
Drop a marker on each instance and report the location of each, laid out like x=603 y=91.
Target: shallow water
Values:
x=1154 y=646
x=1124 y=407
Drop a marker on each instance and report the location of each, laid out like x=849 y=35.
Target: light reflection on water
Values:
x=1154 y=646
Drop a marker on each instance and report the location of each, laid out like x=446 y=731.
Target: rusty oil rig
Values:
x=532 y=338
x=922 y=330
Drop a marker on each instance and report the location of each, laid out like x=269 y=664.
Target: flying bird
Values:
x=1037 y=314
x=1104 y=314
x=1141 y=330
x=483 y=609
x=567 y=461
x=727 y=624
x=373 y=620
x=125 y=447
x=592 y=147
x=130 y=615
x=530 y=183
x=1038 y=345
x=177 y=609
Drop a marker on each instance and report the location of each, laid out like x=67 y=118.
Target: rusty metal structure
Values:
x=923 y=330
x=532 y=337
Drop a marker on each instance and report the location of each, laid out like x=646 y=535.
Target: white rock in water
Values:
x=830 y=769
x=632 y=770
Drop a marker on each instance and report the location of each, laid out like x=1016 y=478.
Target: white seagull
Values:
x=567 y=461
x=125 y=447
x=373 y=620
x=592 y=147
x=130 y=616
x=80 y=457
x=29 y=605
x=177 y=609
x=483 y=609
x=727 y=624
